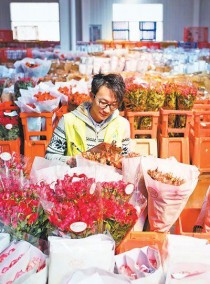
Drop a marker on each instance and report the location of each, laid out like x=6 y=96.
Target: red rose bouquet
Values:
x=20 y=212
x=71 y=202
x=79 y=207
x=9 y=126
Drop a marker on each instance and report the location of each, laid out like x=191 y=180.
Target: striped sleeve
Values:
x=57 y=147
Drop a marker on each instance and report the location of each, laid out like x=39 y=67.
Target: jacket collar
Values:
x=82 y=112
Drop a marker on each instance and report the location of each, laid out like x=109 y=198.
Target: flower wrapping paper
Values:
x=22 y=263
x=166 y=202
x=49 y=171
x=94 y=275
x=4 y=241
x=97 y=170
x=28 y=98
x=132 y=172
x=41 y=69
x=188 y=260
x=67 y=255
x=144 y=262
x=20 y=259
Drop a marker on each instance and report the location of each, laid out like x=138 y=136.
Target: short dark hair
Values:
x=114 y=82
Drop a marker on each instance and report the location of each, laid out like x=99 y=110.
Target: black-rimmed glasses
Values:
x=104 y=105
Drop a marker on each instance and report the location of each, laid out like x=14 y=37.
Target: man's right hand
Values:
x=71 y=162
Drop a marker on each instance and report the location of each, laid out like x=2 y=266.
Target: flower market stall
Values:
x=88 y=213
x=113 y=218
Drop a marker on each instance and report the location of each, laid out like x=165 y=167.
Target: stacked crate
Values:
x=144 y=146
x=36 y=142
x=200 y=137
x=174 y=141
x=142 y=239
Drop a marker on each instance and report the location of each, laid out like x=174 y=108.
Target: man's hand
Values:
x=71 y=162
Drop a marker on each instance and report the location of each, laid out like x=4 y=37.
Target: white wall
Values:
x=177 y=14
x=5 y=11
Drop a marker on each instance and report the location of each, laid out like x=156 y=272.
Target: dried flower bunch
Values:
x=108 y=154
x=167 y=178
x=105 y=153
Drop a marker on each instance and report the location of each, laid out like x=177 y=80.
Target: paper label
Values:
x=78 y=227
x=12 y=113
x=8 y=126
x=5 y=156
x=129 y=188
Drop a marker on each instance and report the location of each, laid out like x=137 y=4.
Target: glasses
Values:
x=104 y=105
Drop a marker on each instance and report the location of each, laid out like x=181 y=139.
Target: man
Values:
x=92 y=123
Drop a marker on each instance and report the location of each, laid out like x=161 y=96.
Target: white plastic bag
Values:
x=188 y=260
x=94 y=276
x=144 y=264
x=67 y=255
x=4 y=241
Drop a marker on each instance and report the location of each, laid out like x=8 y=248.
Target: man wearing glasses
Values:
x=92 y=123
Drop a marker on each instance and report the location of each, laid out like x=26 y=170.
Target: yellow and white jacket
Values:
x=76 y=132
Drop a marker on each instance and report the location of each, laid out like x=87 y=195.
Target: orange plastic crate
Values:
x=50 y=123
x=36 y=142
x=177 y=147
x=148 y=44
x=200 y=126
x=33 y=149
x=145 y=147
x=164 y=122
x=200 y=152
x=185 y=223
x=200 y=102
x=11 y=146
x=200 y=138
x=201 y=105
x=151 y=131
x=141 y=239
